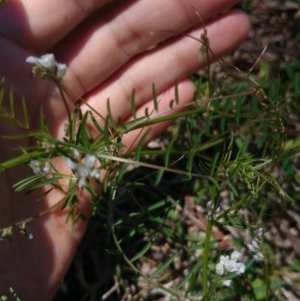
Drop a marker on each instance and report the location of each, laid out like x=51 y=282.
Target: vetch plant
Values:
x=230 y=265
x=210 y=149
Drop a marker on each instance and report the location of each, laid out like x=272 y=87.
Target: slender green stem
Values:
x=267 y=279
x=205 y=258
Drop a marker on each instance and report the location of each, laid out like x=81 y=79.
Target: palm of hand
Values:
x=105 y=58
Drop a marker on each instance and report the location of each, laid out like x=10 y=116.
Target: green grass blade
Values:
x=145 y=249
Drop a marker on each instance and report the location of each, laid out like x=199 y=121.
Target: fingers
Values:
x=39 y=25
x=175 y=60
x=104 y=44
x=161 y=66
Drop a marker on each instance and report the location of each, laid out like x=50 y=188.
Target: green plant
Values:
x=225 y=150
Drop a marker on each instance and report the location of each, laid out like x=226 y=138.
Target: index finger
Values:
x=39 y=25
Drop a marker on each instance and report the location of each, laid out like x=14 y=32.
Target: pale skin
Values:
x=106 y=57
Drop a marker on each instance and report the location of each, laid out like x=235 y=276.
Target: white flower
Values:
x=251 y=248
x=211 y=210
x=84 y=170
x=61 y=70
x=258 y=256
x=46 y=168
x=235 y=255
x=220 y=268
x=209 y=205
x=47 y=61
x=226 y=265
x=223 y=259
x=227 y=282
x=82 y=182
x=89 y=160
x=240 y=268
x=255 y=244
x=71 y=164
x=255 y=248
x=39 y=166
x=230 y=266
x=35 y=165
x=32 y=60
x=94 y=173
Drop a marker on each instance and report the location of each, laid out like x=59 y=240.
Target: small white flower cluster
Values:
x=211 y=210
x=230 y=265
x=256 y=245
x=39 y=166
x=84 y=170
x=46 y=64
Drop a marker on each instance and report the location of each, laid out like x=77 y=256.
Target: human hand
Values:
x=105 y=49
